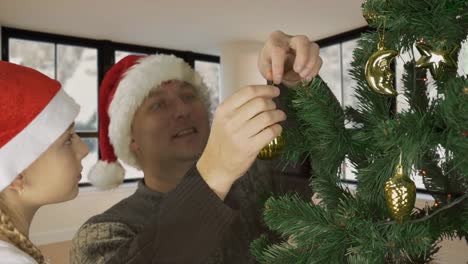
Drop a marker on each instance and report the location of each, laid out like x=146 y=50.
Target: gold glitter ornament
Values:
x=400 y=194
x=371 y=17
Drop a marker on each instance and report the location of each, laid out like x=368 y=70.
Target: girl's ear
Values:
x=18 y=184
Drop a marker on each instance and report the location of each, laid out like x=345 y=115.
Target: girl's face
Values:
x=54 y=176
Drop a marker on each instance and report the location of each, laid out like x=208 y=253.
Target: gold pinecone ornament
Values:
x=400 y=193
x=273 y=149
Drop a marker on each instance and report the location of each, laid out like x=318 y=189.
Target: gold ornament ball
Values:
x=273 y=149
x=400 y=194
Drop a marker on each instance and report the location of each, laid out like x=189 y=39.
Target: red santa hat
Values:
x=34 y=113
x=124 y=88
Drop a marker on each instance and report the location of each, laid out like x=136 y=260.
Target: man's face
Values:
x=171 y=125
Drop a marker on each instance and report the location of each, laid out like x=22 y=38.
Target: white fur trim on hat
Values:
x=106 y=175
x=135 y=87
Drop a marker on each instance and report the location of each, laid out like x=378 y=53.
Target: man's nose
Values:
x=182 y=109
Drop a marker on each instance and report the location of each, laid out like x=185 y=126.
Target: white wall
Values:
x=239 y=66
x=59 y=222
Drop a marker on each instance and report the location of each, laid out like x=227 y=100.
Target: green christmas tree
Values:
x=377 y=223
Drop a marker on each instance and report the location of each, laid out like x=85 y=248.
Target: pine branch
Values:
x=323 y=135
x=442 y=23
x=281 y=253
x=416 y=87
x=452 y=114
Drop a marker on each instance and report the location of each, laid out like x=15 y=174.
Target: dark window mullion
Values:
x=342 y=96
x=189 y=58
x=5 y=45
x=8 y=32
x=105 y=60
x=55 y=61
x=88 y=134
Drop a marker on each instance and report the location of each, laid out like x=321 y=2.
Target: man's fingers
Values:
x=312 y=60
x=264 y=64
x=278 y=58
x=248 y=93
x=252 y=109
x=315 y=70
x=301 y=46
x=263 y=121
x=266 y=136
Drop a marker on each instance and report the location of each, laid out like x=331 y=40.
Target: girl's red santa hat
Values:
x=34 y=113
x=124 y=88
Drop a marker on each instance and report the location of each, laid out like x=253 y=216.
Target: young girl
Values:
x=40 y=155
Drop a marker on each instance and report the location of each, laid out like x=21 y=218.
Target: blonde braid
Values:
x=8 y=229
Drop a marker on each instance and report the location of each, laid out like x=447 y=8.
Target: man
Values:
x=191 y=207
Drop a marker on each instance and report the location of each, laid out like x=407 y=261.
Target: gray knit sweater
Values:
x=110 y=234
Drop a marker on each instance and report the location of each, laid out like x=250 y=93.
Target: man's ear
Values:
x=134 y=147
x=18 y=184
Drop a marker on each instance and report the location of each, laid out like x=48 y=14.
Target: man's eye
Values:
x=189 y=97
x=157 y=105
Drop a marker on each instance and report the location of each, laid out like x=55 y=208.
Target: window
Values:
x=79 y=64
x=463 y=59
x=348 y=84
x=34 y=54
x=331 y=69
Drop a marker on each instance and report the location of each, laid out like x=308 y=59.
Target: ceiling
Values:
x=197 y=25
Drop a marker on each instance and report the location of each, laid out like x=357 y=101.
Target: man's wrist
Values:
x=219 y=182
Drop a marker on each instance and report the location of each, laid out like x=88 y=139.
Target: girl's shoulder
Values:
x=13 y=255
